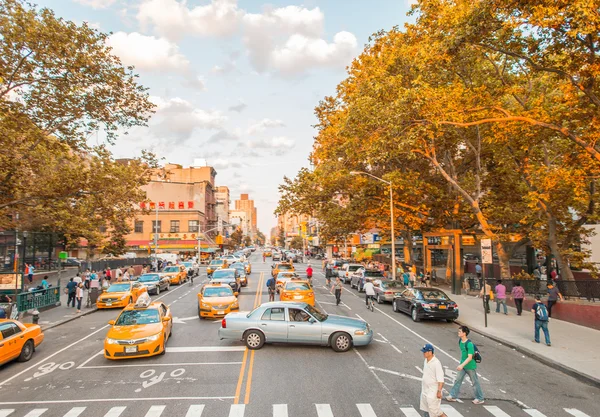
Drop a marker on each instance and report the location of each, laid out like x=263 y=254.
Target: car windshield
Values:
x=373 y=274
x=316 y=313
x=118 y=288
x=285 y=266
x=224 y=273
x=187 y=264
x=219 y=262
x=149 y=278
x=390 y=284
x=353 y=268
x=297 y=286
x=171 y=269
x=218 y=292
x=433 y=295
x=133 y=317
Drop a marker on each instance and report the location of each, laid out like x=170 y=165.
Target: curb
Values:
x=588 y=379
x=58 y=323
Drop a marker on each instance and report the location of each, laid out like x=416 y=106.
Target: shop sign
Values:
x=9 y=281
x=181 y=205
x=175 y=236
x=468 y=240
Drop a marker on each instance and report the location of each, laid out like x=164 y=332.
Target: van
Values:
x=169 y=257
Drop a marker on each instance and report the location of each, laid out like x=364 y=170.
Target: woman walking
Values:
x=337 y=288
x=79 y=296
x=518 y=294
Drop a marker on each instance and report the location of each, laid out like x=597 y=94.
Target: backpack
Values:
x=271 y=283
x=476 y=353
x=541 y=312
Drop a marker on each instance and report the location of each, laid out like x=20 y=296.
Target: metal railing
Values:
x=38 y=299
x=585 y=289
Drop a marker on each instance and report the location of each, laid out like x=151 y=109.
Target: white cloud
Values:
x=96 y=4
x=240 y=107
x=225 y=164
x=263 y=125
x=279 y=142
x=173 y=19
x=226 y=135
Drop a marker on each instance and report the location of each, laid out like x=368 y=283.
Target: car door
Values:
x=12 y=341
x=274 y=325
x=403 y=301
x=301 y=329
x=164 y=312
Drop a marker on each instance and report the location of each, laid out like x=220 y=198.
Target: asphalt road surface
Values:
x=201 y=375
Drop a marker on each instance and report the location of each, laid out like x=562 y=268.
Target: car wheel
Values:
x=352 y=285
x=414 y=315
x=254 y=339
x=341 y=342
x=164 y=346
x=157 y=289
x=168 y=286
x=395 y=306
x=27 y=351
x=379 y=299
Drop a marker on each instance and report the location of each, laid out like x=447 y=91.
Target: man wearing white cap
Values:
x=432 y=384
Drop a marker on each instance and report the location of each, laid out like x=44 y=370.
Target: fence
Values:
x=587 y=289
x=116 y=263
x=37 y=299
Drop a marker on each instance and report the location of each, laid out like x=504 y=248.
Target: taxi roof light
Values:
x=143 y=301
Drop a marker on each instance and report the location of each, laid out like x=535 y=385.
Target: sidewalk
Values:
x=573 y=351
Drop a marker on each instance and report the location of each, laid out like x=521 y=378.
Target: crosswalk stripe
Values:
x=366 y=410
x=237 y=410
x=497 y=412
x=36 y=412
x=280 y=410
x=534 y=413
x=75 y=412
x=115 y=412
x=575 y=412
x=410 y=412
x=155 y=411
x=324 y=410
x=195 y=410
x=6 y=412
x=450 y=411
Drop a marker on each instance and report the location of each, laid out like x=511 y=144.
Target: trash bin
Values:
x=94 y=293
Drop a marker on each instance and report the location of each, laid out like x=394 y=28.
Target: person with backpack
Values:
x=271 y=283
x=541 y=320
x=468 y=366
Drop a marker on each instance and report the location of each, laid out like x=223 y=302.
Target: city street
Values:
x=202 y=375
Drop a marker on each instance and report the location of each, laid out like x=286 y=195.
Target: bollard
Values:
x=36 y=316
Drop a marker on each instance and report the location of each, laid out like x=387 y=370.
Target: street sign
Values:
x=63 y=255
x=486 y=251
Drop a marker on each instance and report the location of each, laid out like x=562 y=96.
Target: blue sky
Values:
x=236 y=82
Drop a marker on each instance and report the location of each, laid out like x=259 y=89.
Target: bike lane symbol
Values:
x=50 y=367
x=153 y=378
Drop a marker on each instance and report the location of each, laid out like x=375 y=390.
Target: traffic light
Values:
x=219 y=240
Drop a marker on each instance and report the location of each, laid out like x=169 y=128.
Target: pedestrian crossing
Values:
x=278 y=410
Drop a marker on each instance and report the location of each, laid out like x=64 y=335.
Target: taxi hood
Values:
x=219 y=300
x=113 y=294
x=134 y=332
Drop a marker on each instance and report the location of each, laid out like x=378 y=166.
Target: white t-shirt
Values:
x=432 y=375
x=369 y=288
x=77 y=279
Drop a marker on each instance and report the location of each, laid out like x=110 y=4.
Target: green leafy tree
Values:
x=296 y=243
x=236 y=237
x=247 y=241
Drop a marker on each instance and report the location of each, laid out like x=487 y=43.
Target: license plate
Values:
x=298 y=297
x=442 y=307
x=220 y=312
x=131 y=349
x=109 y=304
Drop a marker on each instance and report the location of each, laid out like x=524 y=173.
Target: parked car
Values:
x=73 y=262
x=155 y=283
x=18 y=340
x=345 y=273
x=387 y=289
x=289 y=322
x=357 y=280
x=426 y=303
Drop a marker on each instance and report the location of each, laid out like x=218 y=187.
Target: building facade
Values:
x=246 y=205
x=222 y=208
x=241 y=219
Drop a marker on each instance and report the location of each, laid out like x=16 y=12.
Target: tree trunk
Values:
x=565 y=271
x=408 y=245
x=504 y=255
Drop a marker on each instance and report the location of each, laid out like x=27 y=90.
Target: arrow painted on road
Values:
x=183 y=320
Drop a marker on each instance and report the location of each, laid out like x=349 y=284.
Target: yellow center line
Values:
x=249 y=381
x=238 y=389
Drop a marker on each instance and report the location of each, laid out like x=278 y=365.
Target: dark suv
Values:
x=358 y=278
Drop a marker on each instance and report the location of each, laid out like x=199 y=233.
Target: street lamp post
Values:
x=389 y=183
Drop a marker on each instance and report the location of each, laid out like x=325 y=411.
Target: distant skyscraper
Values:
x=246 y=205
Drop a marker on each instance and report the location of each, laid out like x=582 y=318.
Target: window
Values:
x=174 y=226
x=193 y=226
x=139 y=226
x=273 y=314
x=9 y=329
x=157 y=226
x=298 y=315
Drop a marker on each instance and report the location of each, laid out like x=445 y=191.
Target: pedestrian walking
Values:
x=79 y=296
x=71 y=289
x=500 y=296
x=264 y=257
x=541 y=321
x=77 y=279
x=406 y=278
x=337 y=290
x=432 y=384
x=413 y=278
x=119 y=274
x=553 y=296
x=271 y=284
x=309 y=273
x=485 y=294
x=518 y=295
x=467 y=366
x=30 y=271
x=107 y=274
x=428 y=279
x=478 y=270
x=86 y=278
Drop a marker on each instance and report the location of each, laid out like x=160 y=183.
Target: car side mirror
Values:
x=312 y=320
x=166 y=319
x=111 y=322
x=272 y=266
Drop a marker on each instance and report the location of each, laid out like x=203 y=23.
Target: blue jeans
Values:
x=474 y=379
x=544 y=326
x=503 y=302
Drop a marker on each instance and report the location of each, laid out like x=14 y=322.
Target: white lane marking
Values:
x=206 y=349
x=410 y=412
x=450 y=411
x=36 y=412
x=495 y=411
x=237 y=410
x=133 y=365
x=280 y=410
x=88 y=360
x=344 y=304
x=195 y=410
x=108 y=400
x=388 y=371
x=575 y=412
x=366 y=410
x=6 y=412
x=376 y=376
x=396 y=349
x=383 y=337
x=534 y=413
x=155 y=411
x=74 y=412
x=324 y=410
x=359 y=317
x=115 y=412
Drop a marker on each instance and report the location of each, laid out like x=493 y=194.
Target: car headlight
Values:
x=154 y=337
x=204 y=305
x=111 y=341
x=124 y=297
x=360 y=332
x=151 y=285
x=235 y=304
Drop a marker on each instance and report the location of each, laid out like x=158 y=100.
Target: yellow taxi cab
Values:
x=18 y=340
x=248 y=267
x=282 y=267
x=141 y=330
x=120 y=294
x=177 y=274
x=214 y=265
x=297 y=290
x=268 y=252
x=284 y=277
x=215 y=300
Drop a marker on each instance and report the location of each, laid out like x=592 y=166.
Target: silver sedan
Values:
x=387 y=289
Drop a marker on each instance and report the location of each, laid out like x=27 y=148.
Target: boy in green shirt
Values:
x=467 y=366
